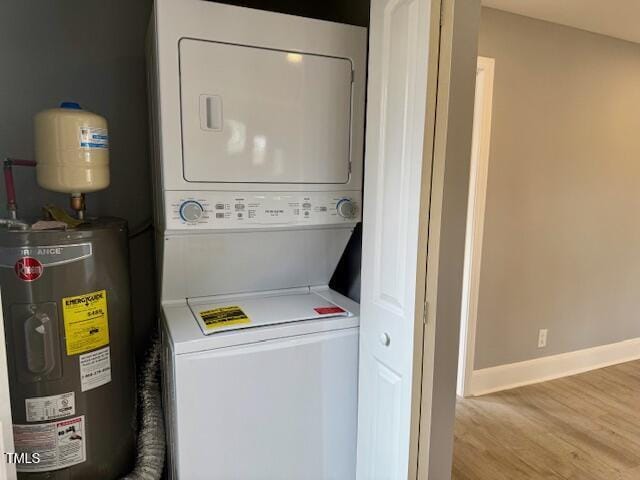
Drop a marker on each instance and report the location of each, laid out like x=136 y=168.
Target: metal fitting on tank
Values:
x=77 y=204
x=11 y=223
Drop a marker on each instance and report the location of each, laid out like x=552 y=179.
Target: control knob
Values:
x=191 y=211
x=346 y=208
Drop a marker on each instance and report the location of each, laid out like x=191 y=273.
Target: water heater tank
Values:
x=66 y=306
x=72 y=150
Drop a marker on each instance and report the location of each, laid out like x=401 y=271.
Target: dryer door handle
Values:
x=211 y=112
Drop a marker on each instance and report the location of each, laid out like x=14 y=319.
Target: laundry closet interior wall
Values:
x=93 y=53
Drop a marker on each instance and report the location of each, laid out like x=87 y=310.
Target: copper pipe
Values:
x=12 y=206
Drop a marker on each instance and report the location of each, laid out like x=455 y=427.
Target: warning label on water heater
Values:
x=95 y=369
x=58 y=444
x=48 y=408
x=86 y=323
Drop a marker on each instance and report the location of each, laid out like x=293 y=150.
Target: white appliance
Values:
x=258 y=123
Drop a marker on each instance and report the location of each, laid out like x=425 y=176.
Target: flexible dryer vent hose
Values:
x=151 y=440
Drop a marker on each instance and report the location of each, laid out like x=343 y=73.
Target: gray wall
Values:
x=89 y=52
x=93 y=53
x=562 y=236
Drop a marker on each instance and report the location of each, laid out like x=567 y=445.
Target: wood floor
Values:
x=583 y=427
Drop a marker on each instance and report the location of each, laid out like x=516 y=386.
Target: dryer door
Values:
x=256 y=115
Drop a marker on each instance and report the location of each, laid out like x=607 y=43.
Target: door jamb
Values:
x=475 y=223
x=423 y=361
x=451 y=124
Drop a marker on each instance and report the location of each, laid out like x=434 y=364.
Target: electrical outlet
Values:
x=542 y=337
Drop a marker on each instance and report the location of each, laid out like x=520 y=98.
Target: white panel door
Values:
x=3 y=468
x=7 y=470
x=394 y=186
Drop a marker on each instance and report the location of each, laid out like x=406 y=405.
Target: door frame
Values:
x=475 y=222
x=451 y=124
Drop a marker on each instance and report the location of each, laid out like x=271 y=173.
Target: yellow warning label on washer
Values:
x=223 y=317
x=86 y=324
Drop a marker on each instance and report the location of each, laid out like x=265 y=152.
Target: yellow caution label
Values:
x=86 y=323
x=223 y=317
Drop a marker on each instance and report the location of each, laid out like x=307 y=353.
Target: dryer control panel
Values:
x=240 y=210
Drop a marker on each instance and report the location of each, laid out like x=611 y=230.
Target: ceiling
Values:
x=616 y=18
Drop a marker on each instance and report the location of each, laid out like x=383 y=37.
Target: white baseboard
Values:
x=504 y=377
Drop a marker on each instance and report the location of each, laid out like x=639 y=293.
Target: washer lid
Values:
x=234 y=313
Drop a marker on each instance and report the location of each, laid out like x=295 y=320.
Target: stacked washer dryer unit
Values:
x=258 y=127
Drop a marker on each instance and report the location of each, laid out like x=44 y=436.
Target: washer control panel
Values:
x=233 y=210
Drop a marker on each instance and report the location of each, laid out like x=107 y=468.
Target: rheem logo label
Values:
x=28 y=269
